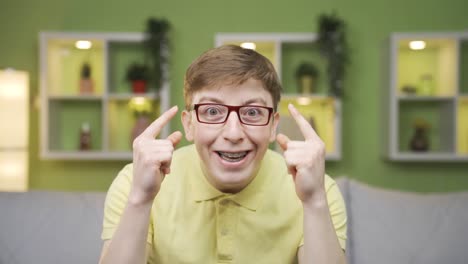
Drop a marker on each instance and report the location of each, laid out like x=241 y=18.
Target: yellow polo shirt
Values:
x=192 y=222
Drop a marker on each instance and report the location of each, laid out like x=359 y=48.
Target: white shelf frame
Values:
x=392 y=149
x=106 y=97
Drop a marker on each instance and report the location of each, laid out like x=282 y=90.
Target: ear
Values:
x=188 y=126
x=274 y=126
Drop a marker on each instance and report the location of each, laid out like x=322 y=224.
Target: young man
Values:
x=226 y=198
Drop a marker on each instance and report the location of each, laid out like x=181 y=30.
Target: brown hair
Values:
x=230 y=65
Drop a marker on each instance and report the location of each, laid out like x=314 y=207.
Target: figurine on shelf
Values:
x=420 y=142
x=85 y=136
x=86 y=83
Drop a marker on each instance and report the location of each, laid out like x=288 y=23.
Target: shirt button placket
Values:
x=225 y=239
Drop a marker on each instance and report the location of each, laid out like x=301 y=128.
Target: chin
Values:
x=233 y=176
x=231 y=182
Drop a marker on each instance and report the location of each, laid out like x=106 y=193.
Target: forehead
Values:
x=251 y=91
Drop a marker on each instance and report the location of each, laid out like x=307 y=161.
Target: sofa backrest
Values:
x=50 y=227
x=387 y=226
x=383 y=226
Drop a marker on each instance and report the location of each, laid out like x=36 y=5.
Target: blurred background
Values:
x=369 y=88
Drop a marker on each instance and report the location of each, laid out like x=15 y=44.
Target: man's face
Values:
x=231 y=152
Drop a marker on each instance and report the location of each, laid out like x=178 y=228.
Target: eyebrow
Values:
x=218 y=101
x=210 y=99
x=256 y=100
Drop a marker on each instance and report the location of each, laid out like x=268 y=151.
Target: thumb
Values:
x=175 y=138
x=282 y=141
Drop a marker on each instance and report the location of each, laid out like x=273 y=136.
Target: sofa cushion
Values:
x=401 y=227
x=343 y=185
x=50 y=227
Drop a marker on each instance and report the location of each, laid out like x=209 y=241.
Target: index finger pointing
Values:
x=307 y=131
x=154 y=128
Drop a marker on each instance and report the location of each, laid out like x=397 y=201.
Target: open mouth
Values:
x=232 y=156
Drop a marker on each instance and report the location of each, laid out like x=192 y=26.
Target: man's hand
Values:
x=152 y=159
x=305 y=160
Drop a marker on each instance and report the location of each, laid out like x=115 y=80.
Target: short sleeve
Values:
x=116 y=201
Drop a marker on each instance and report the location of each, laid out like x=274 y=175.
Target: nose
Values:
x=233 y=130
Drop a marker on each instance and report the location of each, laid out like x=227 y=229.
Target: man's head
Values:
x=232 y=131
x=230 y=65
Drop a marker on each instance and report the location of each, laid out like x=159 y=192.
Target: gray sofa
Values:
x=50 y=227
x=384 y=227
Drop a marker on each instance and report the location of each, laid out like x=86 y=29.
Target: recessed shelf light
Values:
x=248 y=45
x=83 y=44
x=304 y=100
x=417 y=45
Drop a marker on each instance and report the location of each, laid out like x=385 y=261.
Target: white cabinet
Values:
x=67 y=104
x=428 y=97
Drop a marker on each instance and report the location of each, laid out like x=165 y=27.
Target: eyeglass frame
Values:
x=233 y=108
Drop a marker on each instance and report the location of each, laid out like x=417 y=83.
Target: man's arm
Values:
x=306 y=163
x=129 y=244
x=151 y=161
x=107 y=243
x=320 y=241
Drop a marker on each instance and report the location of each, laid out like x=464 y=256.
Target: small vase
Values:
x=306 y=84
x=419 y=142
x=86 y=86
x=139 y=86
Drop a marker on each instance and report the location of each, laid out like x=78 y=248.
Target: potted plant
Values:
x=306 y=76
x=157 y=47
x=138 y=75
x=334 y=47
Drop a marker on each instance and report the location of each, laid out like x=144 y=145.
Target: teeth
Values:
x=233 y=155
x=229 y=156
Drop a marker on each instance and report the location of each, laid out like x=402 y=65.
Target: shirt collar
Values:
x=250 y=197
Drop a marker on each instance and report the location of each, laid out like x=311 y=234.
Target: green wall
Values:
x=194 y=24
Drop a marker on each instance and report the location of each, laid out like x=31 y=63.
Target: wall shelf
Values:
x=427 y=85
x=106 y=109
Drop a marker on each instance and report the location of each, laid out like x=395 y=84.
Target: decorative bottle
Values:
x=85 y=137
x=426 y=85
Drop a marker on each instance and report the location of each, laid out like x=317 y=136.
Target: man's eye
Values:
x=252 y=111
x=212 y=111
